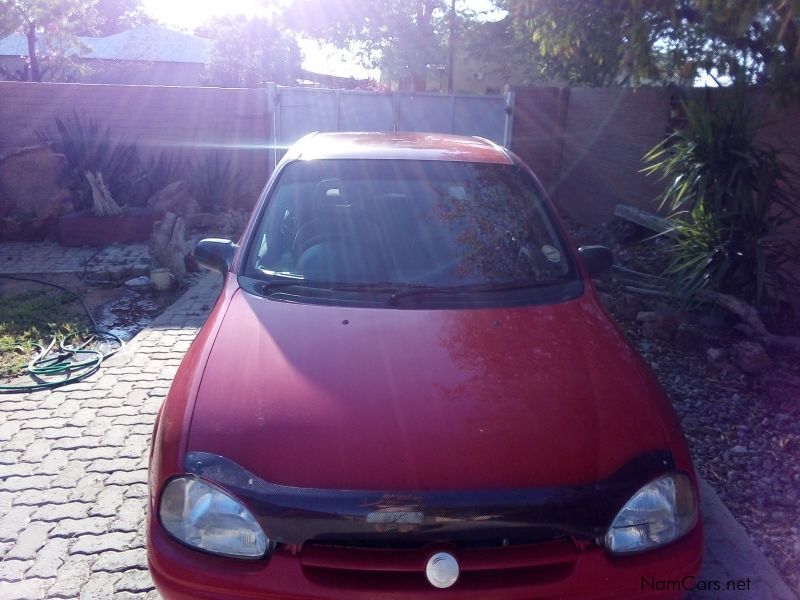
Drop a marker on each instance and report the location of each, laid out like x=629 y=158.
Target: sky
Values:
x=322 y=58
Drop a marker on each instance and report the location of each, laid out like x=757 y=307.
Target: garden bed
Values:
x=86 y=229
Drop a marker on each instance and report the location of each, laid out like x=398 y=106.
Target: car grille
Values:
x=481 y=568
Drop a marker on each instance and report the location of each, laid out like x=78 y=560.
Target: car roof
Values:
x=406 y=146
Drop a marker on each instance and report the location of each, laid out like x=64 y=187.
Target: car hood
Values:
x=391 y=399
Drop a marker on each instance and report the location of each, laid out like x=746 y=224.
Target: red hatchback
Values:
x=408 y=388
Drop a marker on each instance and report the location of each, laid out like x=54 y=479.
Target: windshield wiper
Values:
x=515 y=284
x=276 y=280
x=280 y=280
x=398 y=291
x=395 y=290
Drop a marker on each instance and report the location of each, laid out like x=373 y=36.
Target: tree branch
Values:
x=749 y=315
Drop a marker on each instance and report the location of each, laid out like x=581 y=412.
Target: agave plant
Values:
x=161 y=170
x=217 y=182
x=90 y=148
x=731 y=199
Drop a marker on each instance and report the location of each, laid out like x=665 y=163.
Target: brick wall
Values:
x=193 y=120
x=588 y=144
x=584 y=144
x=539 y=119
x=606 y=134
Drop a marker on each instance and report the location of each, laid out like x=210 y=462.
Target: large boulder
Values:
x=31 y=184
x=176 y=198
x=750 y=357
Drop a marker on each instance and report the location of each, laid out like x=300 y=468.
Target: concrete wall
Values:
x=191 y=120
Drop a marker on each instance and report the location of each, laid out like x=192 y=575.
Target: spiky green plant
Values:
x=161 y=170
x=91 y=148
x=731 y=200
x=217 y=183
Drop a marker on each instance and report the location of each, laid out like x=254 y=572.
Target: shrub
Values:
x=160 y=171
x=731 y=200
x=90 y=148
x=216 y=182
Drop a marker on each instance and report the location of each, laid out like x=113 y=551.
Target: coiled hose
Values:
x=59 y=359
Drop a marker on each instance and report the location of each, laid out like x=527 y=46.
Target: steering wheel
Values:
x=305 y=236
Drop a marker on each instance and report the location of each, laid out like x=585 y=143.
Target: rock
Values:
x=750 y=357
x=176 y=198
x=663 y=327
x=625 y=307
x=739 y=450
x=646 y=315
x=30 y=184
x=715 y=354
x=204 y=221
x=138 y=282
x=688 y=337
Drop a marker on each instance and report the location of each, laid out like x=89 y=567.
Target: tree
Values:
x=507 y=45
x=401 y=37
x=250 y=53
x=632 y=41
x=50 y=27
x=115 y=16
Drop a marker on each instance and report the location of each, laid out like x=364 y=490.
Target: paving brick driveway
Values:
x=73 y=468
x=73 y=478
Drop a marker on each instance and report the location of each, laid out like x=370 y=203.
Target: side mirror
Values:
x=596 y=258
x=215 y=254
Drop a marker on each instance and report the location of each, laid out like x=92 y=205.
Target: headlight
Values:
x=203 y=516
x=659 y=513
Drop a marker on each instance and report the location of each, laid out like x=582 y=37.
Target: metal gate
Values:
x=295 y=112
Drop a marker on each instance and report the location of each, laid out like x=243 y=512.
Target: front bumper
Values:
x=182 y=574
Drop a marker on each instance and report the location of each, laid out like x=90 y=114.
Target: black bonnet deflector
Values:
x=391 y=518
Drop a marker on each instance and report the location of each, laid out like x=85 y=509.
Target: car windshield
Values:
x=404 y=222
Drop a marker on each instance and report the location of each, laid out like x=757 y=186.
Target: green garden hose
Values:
x=69 y=364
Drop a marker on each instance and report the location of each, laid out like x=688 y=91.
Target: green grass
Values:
x=31 y=318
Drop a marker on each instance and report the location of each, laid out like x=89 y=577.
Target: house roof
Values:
x=150 y=43
x=14 y=45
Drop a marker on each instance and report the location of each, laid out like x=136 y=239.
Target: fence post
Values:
x=507 y=135
x=272 y=111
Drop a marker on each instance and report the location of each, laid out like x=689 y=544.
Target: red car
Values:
x=408 y=388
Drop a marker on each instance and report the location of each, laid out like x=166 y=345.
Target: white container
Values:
x=162 y=279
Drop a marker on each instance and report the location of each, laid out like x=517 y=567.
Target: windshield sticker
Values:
x=551 y=253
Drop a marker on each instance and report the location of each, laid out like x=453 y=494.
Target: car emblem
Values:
x=442 y=570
